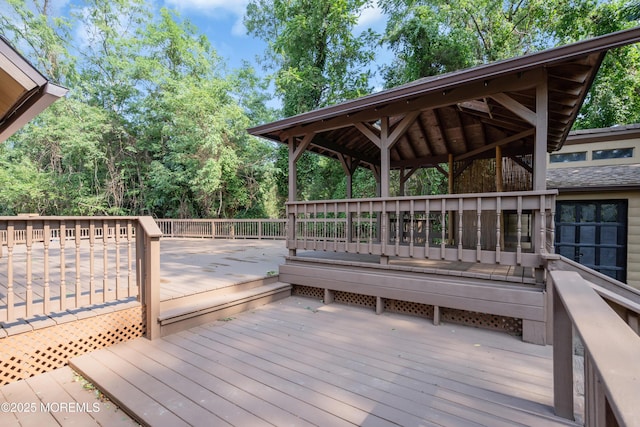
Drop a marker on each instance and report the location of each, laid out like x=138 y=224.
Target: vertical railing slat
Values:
x=62 y=239
x=498 y=227
x=29 y=294
x=92 y=242
x=479 y=230
x=10 y=291
x=105 y=253
x=78 y=236
x=46 y=294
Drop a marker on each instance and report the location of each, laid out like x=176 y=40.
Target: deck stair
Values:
x=178 y=314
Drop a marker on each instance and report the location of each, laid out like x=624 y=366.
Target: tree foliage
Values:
x=152 y=124
x=155 y=124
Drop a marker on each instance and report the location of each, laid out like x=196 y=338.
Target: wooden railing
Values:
x=52 y=264
x=224 y=228
x=611 y=349
x=509 y=228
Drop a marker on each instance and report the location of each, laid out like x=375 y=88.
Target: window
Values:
x=618 y=153
x=568 y=157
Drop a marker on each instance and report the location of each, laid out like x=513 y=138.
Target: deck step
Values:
x=195 y=298
x=219 y=306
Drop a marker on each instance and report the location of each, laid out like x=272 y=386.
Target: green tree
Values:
x=317 y=60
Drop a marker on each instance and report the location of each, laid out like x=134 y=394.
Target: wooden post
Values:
x=385 y=168
x=499 y=189
x=540 y=163
x=293 y=190
x=562 y=360
x=450 y=189
x=148 y=270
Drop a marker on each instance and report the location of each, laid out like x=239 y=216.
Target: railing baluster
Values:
x=519 y=232
x=543 y=231
x=62 y=238
x=347 y=228
x=78 y=232
x=92 y=241
x=444 y=227
x=29 y=243
x=427 y=228
x=325 y=235
x=46 y=294
x=460 y=225
x=370 y=226
x=412 y=225
x=10 y=294
x=117 y=243
x=105 y=278
x=335 y=228
x=552 y=235
x=359 y=227
x=498 y=227
x=479 y=230
x=399 y=225
x=384 y=228
x=131 y=284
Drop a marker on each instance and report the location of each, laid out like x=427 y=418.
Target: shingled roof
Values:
x=592 y=178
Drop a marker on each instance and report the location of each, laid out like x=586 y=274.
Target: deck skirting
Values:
x=494 y=304
x=39 y=350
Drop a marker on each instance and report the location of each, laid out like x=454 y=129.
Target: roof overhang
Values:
x=459 y=113
x=24 y=92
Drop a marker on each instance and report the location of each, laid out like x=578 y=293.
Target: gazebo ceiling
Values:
x=24 y=92
x=465 y=113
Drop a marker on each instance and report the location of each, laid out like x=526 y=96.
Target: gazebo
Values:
x=488 y=128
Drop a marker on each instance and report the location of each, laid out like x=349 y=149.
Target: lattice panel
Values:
x=354 y=299
x=487 y=321
x=307 y=291
x=406 y=307
x=42 y=350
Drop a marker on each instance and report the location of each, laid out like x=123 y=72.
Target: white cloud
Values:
x=370 y=17
x=216 y=9
x=233 y=7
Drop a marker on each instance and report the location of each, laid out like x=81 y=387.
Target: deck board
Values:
x=297 y=362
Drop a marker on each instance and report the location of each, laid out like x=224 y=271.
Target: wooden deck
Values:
x=57 y=398
x=298 y=362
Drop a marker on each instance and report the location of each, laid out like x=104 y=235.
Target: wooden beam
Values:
x=366 y=131
x=402 y=127
x=306 y=140
x=515 y=107
x=521 y=163
x=424 y=162
x=493 y=145
x=321 y=142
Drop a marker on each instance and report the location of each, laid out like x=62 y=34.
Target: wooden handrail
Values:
x=612 y=377
x=455 y=227
x=53 y=264
x=224 y=228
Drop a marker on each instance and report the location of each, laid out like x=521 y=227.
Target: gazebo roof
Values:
x=24 y=92
x=463 y=113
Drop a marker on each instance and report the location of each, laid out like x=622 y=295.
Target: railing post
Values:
x=148 y=269
x=562 y=359
x=291 y=231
